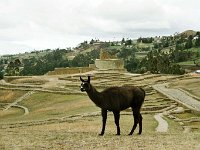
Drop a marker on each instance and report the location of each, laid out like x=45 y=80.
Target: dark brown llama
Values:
x=116 y=99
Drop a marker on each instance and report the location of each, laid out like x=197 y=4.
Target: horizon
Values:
x=72 y=47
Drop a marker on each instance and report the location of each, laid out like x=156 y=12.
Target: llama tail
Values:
x=143 y=91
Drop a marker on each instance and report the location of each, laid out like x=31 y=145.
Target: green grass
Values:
x=43 y=106
x=187 y=63
x=48 y=105
x=140 y=55
x=141 y=45
x=185 y=115
x=194 y=49
x=173 y=127
x=115 y=47
x=12 y=113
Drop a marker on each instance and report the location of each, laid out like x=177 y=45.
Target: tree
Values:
x=189 y=42
x=197 y=62
x=123 y=41
x=128 y=42
x=197 y=41
x=29 y=66
x=43 y=64
x=158 y=62
x=13 y=68
x=132 y=64
x=1 y=71
x=1 y=74
x=163 y=63
x=92 y=41
x=83 y=60
x=176 y=69
x=126 y=52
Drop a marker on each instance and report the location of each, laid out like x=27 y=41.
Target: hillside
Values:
x=188 y=33
x=177 y=53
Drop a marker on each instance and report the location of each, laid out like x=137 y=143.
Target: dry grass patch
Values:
x=83 y=134
x=194 y=125
x=191 y=85
x=29 y=81
x=9 y=96
x=92 y=124
x=10 y=113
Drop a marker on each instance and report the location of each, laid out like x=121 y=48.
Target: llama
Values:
x=116 y=99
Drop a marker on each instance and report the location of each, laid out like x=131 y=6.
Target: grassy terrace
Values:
x=63 y=121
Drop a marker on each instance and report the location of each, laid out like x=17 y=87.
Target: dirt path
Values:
x=14 y=104
x=162 y=124
x=179 y=96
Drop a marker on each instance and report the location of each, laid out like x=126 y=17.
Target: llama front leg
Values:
x=104 y=118
x=117 y=117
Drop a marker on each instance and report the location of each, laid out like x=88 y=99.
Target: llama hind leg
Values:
x=140 y=124
x=136 y=120
x=104 y=118
x=117 y=117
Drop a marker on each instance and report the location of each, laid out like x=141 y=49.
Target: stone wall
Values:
x=109 y=64
x=73 y=70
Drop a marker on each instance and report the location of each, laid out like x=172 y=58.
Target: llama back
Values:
x=121 y=98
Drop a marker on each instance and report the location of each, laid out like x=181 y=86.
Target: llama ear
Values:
x=88 y=79
x=81 y=79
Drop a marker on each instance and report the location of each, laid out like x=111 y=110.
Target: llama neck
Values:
x=95 y=96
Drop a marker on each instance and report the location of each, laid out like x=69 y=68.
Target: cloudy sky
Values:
x=27 y=25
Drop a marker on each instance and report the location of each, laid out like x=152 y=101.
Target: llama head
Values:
x=85 y=85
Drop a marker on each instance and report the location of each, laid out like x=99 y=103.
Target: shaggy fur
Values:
x=116 y=99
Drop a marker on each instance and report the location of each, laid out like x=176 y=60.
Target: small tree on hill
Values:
x=197 y=41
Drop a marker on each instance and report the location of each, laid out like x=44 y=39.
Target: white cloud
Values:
x=40 y=24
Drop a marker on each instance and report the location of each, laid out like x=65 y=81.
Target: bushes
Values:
x=1 y=75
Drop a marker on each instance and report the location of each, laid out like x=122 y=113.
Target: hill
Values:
x=188 y=33
x=180 y=52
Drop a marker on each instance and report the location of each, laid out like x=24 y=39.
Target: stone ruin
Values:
x=106 y=62
x=109 y=62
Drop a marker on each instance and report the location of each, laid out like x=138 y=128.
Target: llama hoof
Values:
x=139 y=133
x=118 y=134
x=101 y=134
x=130 y=134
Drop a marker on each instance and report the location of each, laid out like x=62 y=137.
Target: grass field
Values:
x=83 y=134
x=72 y=121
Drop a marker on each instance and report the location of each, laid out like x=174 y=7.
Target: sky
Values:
x=27 y=25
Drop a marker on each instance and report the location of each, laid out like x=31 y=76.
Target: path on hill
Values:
x=162 y=124
x=15 y=103
x=179 y=96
